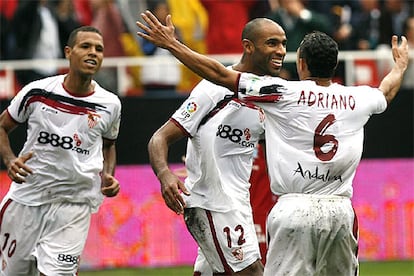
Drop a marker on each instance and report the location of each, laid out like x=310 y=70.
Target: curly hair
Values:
x=320 y=52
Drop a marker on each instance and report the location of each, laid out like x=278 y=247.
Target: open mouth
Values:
x=91 y=62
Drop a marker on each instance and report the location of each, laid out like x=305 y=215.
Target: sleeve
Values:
x=20 y=108
x=203 y=99
x=375 y=98
x=113 y=130
x=260 y=89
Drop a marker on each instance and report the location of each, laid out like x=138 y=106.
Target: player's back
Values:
x=314 y=135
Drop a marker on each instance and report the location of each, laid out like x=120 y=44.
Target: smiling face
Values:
x=86 y=54
x=266 y=47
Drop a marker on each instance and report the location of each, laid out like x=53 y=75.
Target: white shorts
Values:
x=201 y=266
x=228 y=240
x=48 y=238
x=312 y=235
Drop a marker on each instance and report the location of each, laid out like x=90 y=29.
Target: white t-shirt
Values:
x=65 y=133
x=314 y=134
x=220 y=149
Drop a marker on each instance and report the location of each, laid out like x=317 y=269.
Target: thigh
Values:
x=63 y=238
x=228 y=240
x=18 y=238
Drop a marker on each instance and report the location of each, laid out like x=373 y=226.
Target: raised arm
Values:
x=164 y=37
x=391 y=83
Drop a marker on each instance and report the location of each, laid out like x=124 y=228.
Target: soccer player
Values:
x=314 y=137
x=223 y=133
x=65 y=167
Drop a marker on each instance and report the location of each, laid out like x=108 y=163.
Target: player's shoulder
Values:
x=105 y=94
x=40 y=83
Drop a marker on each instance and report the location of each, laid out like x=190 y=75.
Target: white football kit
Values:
x=218 y=162
x=314 y=140
x=65 y=133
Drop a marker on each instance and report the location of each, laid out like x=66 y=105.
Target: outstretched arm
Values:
x=171 y=185
x=391 y=83
x=208 y=68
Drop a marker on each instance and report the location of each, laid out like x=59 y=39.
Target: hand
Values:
x=170 y=187
x=18 y=170
x=400 y=52
x=110 y=186
x=155 y=32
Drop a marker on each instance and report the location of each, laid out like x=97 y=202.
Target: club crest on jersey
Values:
x=238 y=253
x=93 y=119
x=247 y=134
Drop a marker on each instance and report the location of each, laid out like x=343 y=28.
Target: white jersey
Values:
x=220 y=149
x=65 y=133
x=314 y=134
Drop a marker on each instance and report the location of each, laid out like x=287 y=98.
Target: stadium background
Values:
x=136 y=232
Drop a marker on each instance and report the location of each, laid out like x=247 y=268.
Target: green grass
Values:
x=165 y=271
x=397 y=268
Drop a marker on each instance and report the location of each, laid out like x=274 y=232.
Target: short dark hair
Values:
x=252 y=28
x=72 y=37
x=320 y=52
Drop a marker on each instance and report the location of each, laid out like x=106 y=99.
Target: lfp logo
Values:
x=189 y=109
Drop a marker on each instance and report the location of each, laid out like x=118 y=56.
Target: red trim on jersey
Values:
x=227 y=268
x=3 y=210
x=183 y=130
x=8 y=113
x=248 y=104
x=77 y=95
x=268 y=98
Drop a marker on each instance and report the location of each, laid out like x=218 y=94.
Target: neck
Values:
x=320 y=81
x=78 y=86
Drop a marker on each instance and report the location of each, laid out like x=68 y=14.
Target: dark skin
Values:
x=263 y=54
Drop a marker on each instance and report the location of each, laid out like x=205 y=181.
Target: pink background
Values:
x=136 y=229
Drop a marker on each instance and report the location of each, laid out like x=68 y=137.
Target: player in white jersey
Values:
x=65 y=167
x=314 y=136
x=223 y=135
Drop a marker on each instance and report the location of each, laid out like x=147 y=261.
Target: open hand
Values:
x=155 y=32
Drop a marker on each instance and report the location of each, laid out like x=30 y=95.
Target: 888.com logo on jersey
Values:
x=235 y=135
x=64 y=142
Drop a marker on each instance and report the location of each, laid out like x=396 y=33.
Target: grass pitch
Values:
x=397 y=268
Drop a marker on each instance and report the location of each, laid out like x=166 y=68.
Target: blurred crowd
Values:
x=32 y=29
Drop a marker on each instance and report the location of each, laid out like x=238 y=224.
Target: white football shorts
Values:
x=312 y=235
x=227 y=239
x=48 y=238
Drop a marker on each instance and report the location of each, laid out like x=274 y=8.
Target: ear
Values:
x=67 y=51
x=248 y=46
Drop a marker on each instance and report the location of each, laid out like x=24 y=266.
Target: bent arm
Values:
x=158 y=146
x=7 y=124
x=109 y=154
x=205 y=67
x=391 y=83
